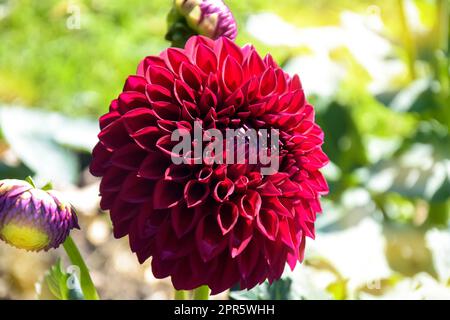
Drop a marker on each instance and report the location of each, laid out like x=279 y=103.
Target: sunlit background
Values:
x=376 y=71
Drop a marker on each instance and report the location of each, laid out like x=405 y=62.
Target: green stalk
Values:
x=408 y=40
x=181 y=295
x=201 y=293
x=441 y=24
x=87 y=286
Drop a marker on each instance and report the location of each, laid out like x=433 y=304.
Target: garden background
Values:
x=376 y=71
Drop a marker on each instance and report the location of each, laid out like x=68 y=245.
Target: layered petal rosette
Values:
x=210 y=224
x=33 y=219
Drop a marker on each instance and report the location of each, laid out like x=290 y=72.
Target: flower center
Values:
x=24 y=237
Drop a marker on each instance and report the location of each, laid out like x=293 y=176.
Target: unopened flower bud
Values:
x=33 y=219
x=211 y=18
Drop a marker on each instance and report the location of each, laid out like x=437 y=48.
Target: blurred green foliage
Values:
x=389 y=150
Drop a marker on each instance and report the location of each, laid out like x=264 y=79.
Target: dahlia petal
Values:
x=213 y=82
x=160 y=76
x=241 y=235
x=163 y=268
x=173 y=58
x=250 y=204
x=241 y=184
x=209 y=238
x=278 y=207
x=151 y=220
x=154 y=166
x=165 y=144
x=252 y=89
x=147 y=137
x=225 y=275
x=166 y=110
x=147 y=62
x=136 y=189
x=223 y=190
x=184 y=219
x=278 y=178
x=205 y=174
x=267 y=223
x=306 y=191
x=114 y=135
x=201 y=269
x=268 y=60
x=257 y=109
x=178 y=172
x=285 y=233
x=208 y=100
x=195 y=193
x=255 y=179
x=227 y=216
x=281 y=80
x=129 y=157
x=113 y=179
x=190 y=75
x=308 y=228
x=108 y=118
x=268 y=189
x=114 y=105
x=268 y=82
x=139 y=118
x=131 y=100
x=157 y=93
x=122 y=215
x=229 y=49
x=236 y=99
x=258 y=275
x=183 y=92
x=189 y=111
x=248 y=259
x=179 y=279
x=289 y=188
x=100 y=160
x=167 y=194
x=301 y=249
x=107 y=199
x=231 y=74
x=254 y=65
x=317 y=182
x=316 y=160
x=206 y=59
x=135 y=83
x=170 y=247
x=295 y=83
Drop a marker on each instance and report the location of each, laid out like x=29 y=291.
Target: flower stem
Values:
x=181 y=295
x=87 y=286
x=201 y=293
x=408 y=40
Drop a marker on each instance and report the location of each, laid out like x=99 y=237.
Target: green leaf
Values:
x=420 y=171
x=278 y=290
x=60 y=285
x=417 y=97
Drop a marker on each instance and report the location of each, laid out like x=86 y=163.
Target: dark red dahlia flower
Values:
x=210 y=224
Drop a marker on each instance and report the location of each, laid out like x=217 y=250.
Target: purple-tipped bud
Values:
x=33 y=219
x=211 y=18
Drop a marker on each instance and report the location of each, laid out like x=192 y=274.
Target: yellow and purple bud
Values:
x=33 y=219
x=210 y=18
